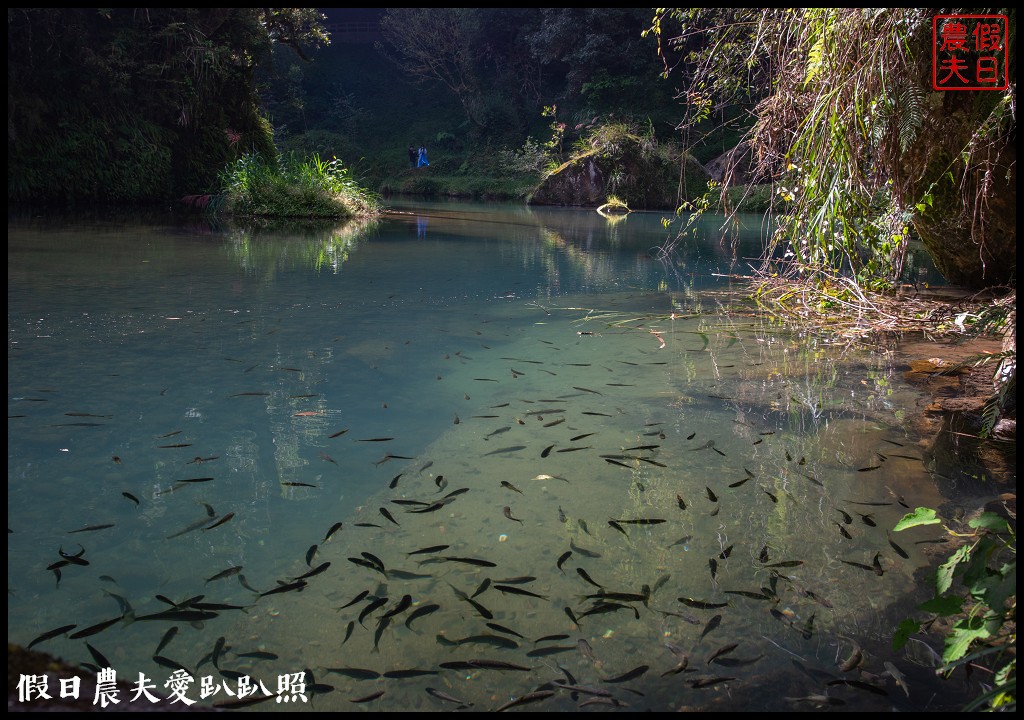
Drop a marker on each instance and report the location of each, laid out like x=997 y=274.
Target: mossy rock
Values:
x=632 y=168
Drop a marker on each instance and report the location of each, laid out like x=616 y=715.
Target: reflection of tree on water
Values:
x=421 y=227
x=305 y=244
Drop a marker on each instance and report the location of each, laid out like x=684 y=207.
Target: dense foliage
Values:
x=121 y=104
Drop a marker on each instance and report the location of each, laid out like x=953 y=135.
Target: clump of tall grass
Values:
x=293 y=187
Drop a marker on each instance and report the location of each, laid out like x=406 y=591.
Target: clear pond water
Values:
x=552 y=456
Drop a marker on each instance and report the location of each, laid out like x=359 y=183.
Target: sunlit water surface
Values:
x=519 y=379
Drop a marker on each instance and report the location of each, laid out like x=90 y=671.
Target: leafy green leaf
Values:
x=903 y=632
x=990 y=521
x=920 y=516
x=945 y=606
x=995 y=589
x=944 y=575
x=959 y=640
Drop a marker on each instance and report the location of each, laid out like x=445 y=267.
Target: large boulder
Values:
x=632 y=167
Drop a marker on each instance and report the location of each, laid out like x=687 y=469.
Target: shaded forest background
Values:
x=150 y=105
x=127 y=105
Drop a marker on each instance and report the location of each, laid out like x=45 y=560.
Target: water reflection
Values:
x=575 y=467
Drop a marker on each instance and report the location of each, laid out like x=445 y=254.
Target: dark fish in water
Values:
x=388 y=516
x=172 y=664
x=377 y=562
x=258 y=655
x=510 y=486
x=400 y=607
x=310 y=554
x=492 y=640
x=355 y=673
x=334 y=528
x=701 y=604
x=877 y=565
x=572 y=616
x=748 y=594
x=95 y=629
x=868 y=468
x=583 y=574
x=553 y=423
x=296 y=585
x=131 y=497
x=713 y=623
x=858 y=684
x=470 y=561
x=550 y=650
x=721 y=651
x=626 y=677
x=616 y=462
x=724 y=555
x=868 y=520
x=507 y=511
x=220 y=522
x=52 y=634
x=618 y=527
x=899 y=551
x=337 y=434
x=429 y=550
x=786 y=564
x=166 y=639
x=91 y=528
x=703 y=682
x=499 y=431
x=862 y=566
x=738 y=482
x=510 y=589
x=446 y=697
x=521 y=580
x=509 y=631
x=573 y=449
x=375 y=604
x=511 y=448
x=843 y=531
x=420 y=612
x=642 y=521
x=846 y=516
x=533 y=697
x=711 y=495
x=394 y=481
x=409 y=673
x=482 y=587
x=713 y=564
x=380 y=439
x=322 y=567
x=763 y=556
x=580 y=437
x=772 y=497
x=598 y=414
x=680 y=502
x=348 y=631
x=234 y=570
x=584 y=551
x=327 y=458
x=178 y=445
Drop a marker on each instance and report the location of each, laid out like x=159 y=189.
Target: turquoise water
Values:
x=536 y=382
